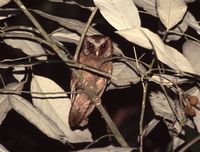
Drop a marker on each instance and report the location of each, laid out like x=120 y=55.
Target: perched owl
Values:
x=96 y=51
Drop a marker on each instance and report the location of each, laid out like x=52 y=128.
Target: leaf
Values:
x=36 y=117
x=108 y=149
x=161 y=108
x=181 y=28
x=150 y=126
x=192 y=22
x=147 y=5
x=177 y=141
x=166 y=54
x=176 y=60
x=4 y=99
x=120 y=14
x=56 y=107
x=4 y=107
x=138 y=35
x=63 y=35
x=19 y=76
x=27 y=46
x=125 y=75
x=3 y=149
x=191 y=50
x=171 y=12
x=68 y=23
x=4 y=2
x=74 y=25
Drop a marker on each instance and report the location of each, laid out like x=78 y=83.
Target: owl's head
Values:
x=98 y=46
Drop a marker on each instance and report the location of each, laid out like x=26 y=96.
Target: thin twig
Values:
x=9 y=91
x=97 y=140
x=78 y=48
x=144 y=85
x=188 y=145
x=179 y=33
x=161 y=84
x=17 y=28
x=112 y=126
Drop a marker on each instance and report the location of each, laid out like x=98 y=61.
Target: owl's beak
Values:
x=97 y=53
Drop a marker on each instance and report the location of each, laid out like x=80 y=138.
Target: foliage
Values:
x=169 y=69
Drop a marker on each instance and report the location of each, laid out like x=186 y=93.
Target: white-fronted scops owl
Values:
x=96 y=52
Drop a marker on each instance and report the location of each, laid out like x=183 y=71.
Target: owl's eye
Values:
x=103 y=46
x=91 y=46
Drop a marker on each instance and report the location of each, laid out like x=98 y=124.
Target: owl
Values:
x=96 y=52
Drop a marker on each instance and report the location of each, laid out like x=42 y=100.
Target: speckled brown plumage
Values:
x=95 y=51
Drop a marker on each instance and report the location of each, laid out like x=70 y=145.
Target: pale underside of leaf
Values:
x=191 y=50
x=4 y=2
x=192 y=22
x=3 y=149
x=147 y=5
x=162 y=108
x=27 y=46
x=166 y=54
x=4 y=107
x=76 y=25
x=125 y=75
x=57 y=107
x=4 y=99
x=171 y=12
x=34 y=116
x=178 y=32
x=120 y=14
x=63 y=35
x=19 y=76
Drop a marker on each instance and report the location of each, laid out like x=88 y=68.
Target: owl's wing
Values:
x=82 y=106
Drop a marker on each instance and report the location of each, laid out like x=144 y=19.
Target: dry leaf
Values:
x=171 y=12
x=56 y=107
x=120 y=14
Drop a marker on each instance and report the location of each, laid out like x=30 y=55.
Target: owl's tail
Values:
x=81 y=108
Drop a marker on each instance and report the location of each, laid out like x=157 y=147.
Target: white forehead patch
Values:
x=97 y=43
